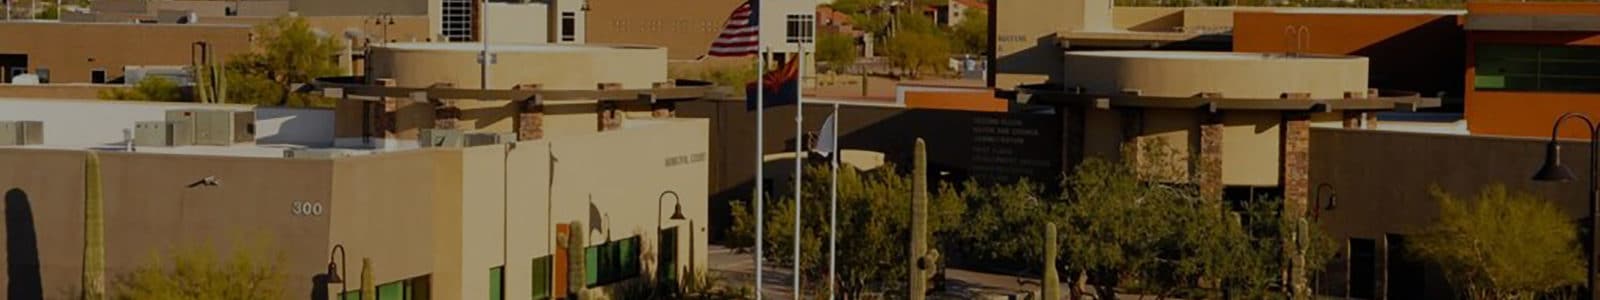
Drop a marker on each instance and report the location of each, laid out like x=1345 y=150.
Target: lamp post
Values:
x=1552 y=170
x=336 y=271
x=677 y=215
x=383 y=20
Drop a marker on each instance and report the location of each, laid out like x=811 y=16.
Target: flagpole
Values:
x=799 y=151
x=833 y=203
x=761 y=111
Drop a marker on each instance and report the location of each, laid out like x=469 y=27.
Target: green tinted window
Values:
x=1537 y=68
x=541 y=278
x=612 y=262
x=351 y=295
x=497 y=283
x=392 y=291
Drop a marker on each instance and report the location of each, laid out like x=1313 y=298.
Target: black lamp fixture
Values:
x=335 y=272
x=677 y=206
x=1552 y=170
x=1333 y=200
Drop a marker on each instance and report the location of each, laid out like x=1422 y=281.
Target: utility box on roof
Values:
x=163 y=133
x=19 y=133
x=489 y=138
x=217 y=127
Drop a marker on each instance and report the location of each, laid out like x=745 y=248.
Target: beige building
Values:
x=485 y=219
x=98 y=52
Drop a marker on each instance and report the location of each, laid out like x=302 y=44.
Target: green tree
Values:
x=914 y=52
x=251 y=271
x=287 y=53
x=1502 y=245
x=874 y=222
x=853 y=6
x=837 y=50
x=151 y=88
x=971 y=36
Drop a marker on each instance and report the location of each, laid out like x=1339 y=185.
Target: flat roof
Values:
x=1367 y=11
x=510 y=47
x=1207 y=55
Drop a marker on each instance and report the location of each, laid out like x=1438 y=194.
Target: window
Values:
x=541 y=277
x=611 y=262
x=1537 y=68
x=667 y=261
x=569 y=26
x=800 y=28
x=1363 y=268
x=351 y=295
x=97 y=76
x=456 y=19
x=43 y=73
x=392 y=291
x=497 y=283
x=415 y=288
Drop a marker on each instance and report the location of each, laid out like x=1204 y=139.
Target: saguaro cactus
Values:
x=94 y=247
x=924 y=261
x=575 y=261
x=368 y=290
x=1052 y=281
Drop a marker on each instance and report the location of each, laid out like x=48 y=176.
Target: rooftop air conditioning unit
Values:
x=489 y=138
x=316 y=153
x=440 y=138
x=19 y=133
x=163 y=133
x=218 y=127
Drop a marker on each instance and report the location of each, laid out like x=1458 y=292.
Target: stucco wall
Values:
x=71 y=50
x=150 y=213
x=519 y=23
x=1235 y=75
x=1517 y=113
x=685 y=28
x=1419 y=52
x=559 y=67
x=358 y=7
x=386 y=209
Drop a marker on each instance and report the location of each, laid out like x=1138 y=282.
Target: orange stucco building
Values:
x=1527 y=63
x=1418 y=50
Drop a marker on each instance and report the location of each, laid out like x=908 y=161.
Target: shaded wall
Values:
x=1413 y=52
x=1382 y=180
x=72 y=50
x=685 y=28
x=150 y=213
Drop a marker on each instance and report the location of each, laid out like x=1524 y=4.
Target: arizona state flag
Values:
x=781 y=86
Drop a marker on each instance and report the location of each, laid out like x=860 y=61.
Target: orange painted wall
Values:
x=1413 y=52
x=1534 y=8
x=1526 y=113
x=980 y=100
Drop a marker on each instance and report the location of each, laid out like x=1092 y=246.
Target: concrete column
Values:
x=1381 y=292
x=530 y=115
x=1372 y=120
x=609 y=114
x=1209 y=166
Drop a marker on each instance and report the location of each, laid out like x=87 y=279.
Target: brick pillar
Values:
x=1209 y=166
x=663 y=109
x=1372 y=120
x=610 y=114
x=1296 y=157
x=530 y=115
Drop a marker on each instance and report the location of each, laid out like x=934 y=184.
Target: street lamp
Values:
x=1553 y=171
x=335 y=271
x=677 y=208
x=383 y=20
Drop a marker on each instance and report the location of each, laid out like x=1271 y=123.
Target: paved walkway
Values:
x=739 y=269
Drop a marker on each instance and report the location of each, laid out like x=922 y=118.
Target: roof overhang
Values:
x=680 y=90
x=1136 y=39
x=1044 y=94
x=1507 y=22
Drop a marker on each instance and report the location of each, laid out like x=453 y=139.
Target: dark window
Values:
x=1407 y=274
x=97 y=76
x=456 y=19
x=800 y=28
x=1363 y=268
x=541 y=277
x=1537 y=68
x=667 y=261
x=569 y=26
x=497 y=283
x=612 y=262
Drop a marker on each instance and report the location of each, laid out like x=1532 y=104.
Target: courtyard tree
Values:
x=287 y=52
x=1502 y=245
x=836 y=49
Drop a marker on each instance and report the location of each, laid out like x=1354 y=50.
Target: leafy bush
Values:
x=1503 y=245
x=151 y=88
x=196 y=272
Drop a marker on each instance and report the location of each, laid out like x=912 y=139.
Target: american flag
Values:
x=739 y=37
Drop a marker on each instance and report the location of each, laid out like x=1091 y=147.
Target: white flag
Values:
x=826 y=141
